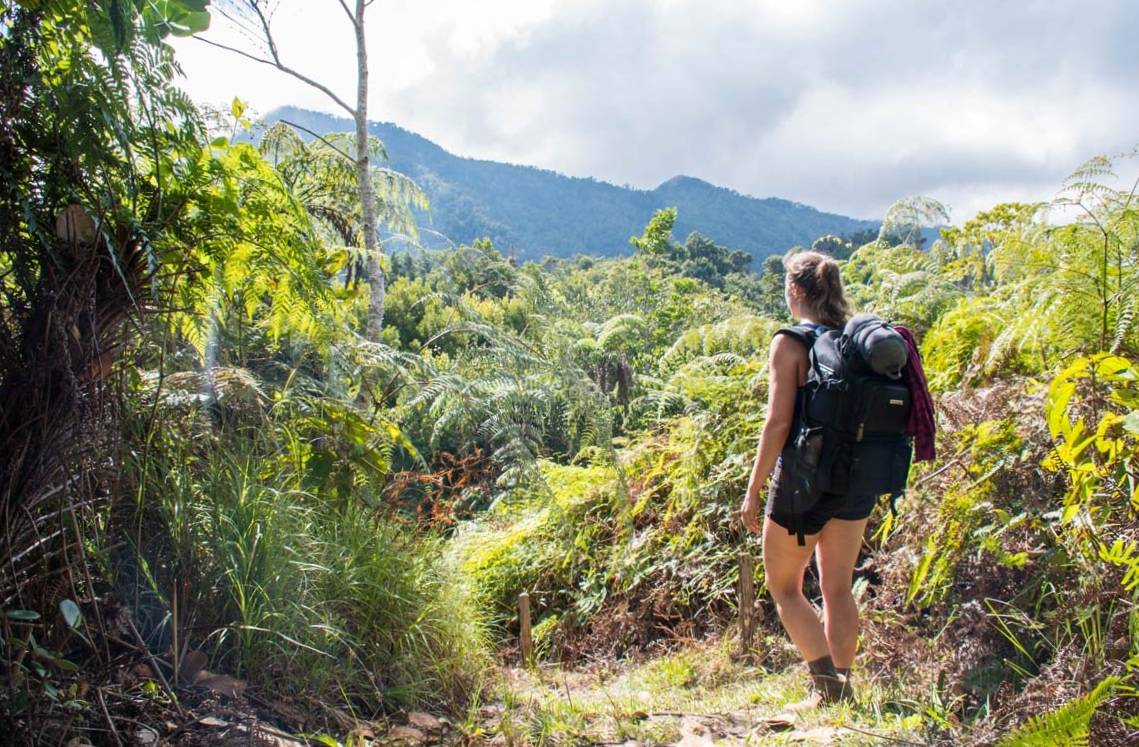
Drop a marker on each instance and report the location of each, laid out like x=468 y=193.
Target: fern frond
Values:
x=1067 y=725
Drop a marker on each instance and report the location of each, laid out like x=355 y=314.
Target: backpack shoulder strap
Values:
x=805 y=334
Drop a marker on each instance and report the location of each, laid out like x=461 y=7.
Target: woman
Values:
x=835 y=525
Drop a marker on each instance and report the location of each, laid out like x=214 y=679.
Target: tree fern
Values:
x=324 y=179
x=1088 y=180
x=907 y=217
x=741 y=335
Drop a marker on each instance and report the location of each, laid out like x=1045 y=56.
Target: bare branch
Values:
x=321 y=138
x=352 y=18
x=268 y=34
x=284 y=69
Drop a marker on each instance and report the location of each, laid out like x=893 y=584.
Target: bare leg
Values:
x=783 y=564
x=837 y=552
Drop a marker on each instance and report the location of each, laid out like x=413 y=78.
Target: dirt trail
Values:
x=696 y=697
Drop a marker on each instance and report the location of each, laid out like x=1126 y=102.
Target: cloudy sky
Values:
x=846 y=105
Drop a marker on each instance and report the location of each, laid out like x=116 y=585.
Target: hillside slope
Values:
x=532 y=212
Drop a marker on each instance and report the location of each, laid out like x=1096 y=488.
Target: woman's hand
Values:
x=749 y=513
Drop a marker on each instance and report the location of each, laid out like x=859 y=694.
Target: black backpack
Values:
x=849 y=434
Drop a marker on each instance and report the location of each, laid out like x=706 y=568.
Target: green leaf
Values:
x=71 y=613
x=191 y=23
x=176 y=17
x=64 y=665
x=919 y=576
x=1131 y=422
x=40 y=651
x=1059 y=395
x=322 y=739
x=1070 y=512
x=237 y=108
x=23 y=615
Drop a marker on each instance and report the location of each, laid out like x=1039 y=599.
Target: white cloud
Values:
x=845 y=105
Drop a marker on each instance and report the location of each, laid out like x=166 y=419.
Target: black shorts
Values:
x=829 y=506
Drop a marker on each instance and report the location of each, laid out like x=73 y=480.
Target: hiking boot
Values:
x=826 y=688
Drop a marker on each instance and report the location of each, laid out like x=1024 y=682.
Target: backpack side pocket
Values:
x=799 y=477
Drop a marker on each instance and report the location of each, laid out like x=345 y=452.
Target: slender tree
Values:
x=254 y=18
x=325 y=183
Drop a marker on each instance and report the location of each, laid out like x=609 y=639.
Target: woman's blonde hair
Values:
x=818 y=277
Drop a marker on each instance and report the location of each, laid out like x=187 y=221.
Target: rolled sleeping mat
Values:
x=877 y=343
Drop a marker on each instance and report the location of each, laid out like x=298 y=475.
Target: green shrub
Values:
x=547 y=543
x=299 y=595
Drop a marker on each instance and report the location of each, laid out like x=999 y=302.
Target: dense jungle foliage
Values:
x=206 y=468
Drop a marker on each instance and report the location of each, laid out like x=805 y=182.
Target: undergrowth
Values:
x=299 y=594
x=620 y=555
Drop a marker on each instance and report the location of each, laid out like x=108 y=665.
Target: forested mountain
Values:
x=531 y=212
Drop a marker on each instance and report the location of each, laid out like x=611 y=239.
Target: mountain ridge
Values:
x=530 y=212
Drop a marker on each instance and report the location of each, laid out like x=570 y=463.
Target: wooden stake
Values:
x=747 y=603
x=525 y=639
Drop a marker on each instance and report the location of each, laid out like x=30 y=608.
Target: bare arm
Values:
x=787 y=361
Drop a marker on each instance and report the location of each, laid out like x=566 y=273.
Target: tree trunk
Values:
x=367 y=193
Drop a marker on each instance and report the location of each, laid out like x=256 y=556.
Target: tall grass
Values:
x=297 y=593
